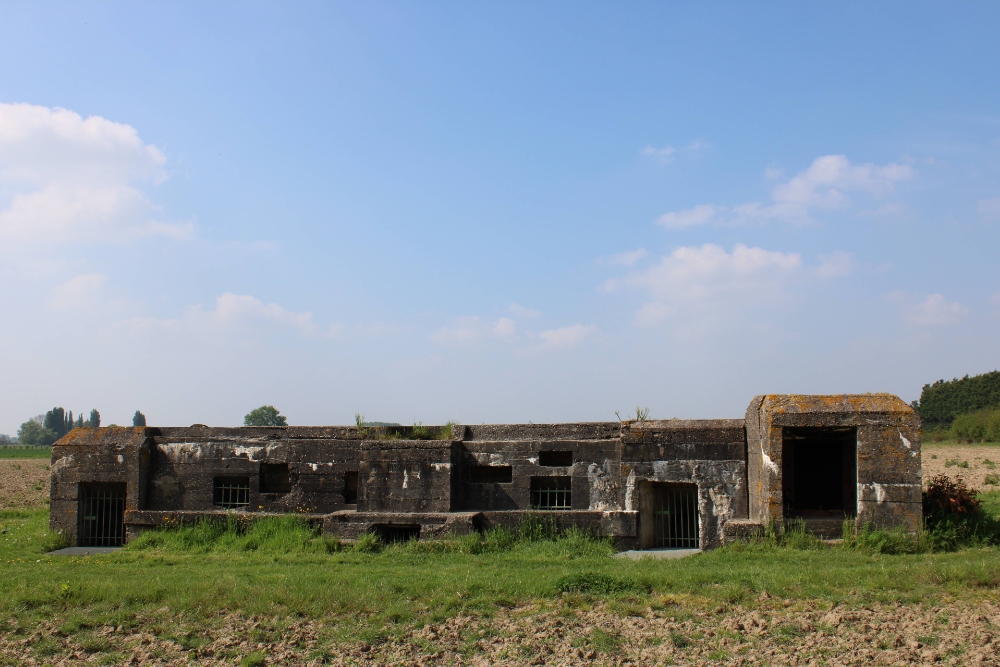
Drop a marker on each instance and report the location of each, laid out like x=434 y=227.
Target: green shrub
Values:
x=368 y=543
x=979 y=426
x=953 y=517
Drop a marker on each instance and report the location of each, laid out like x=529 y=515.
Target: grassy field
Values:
x=187 y=582
x=25 y=452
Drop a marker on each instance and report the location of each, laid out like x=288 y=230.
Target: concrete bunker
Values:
x=646 y=484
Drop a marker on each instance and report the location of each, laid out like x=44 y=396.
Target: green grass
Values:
x=25 y=452
x=183 y=581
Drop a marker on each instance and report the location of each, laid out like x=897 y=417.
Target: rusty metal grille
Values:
x=551 y=493
x=102 y=515
x=675 y=516
x=231 y=492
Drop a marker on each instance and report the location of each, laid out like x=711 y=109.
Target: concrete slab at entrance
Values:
x=83 y=551
x=671 y=554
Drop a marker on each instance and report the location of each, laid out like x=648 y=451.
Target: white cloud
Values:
x=691 y=217
x=235 y=312
x=628 y=258
x=661 y=155
x=708 y=280
x=824 y=185
x=835 y=265
x=565 y=336
x=472 y=329
x=79 y=292
x=934 y=311
x=64 y=177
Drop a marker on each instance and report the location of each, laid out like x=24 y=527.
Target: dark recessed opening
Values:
x=351 y=487
x=555 y=459
x=490 y=474
x=819 y=470
x=231 y=492
x=390 y=533
x=274 y=478
x=551 y=493
x=102 y=515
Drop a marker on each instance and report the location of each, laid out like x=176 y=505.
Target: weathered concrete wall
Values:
x=185 y=462
x=888 y=452
x=406 y=476
x=708 y=452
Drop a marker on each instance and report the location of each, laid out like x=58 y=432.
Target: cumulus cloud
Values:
x=565 y=336
x=627 y=258
x=825 y=185
x=80 y=292
x=835 y=265
x=64 y=177
x=708 y=279
x=472 y=329
x=233 y=312
x=691 y=217
x=934 y=311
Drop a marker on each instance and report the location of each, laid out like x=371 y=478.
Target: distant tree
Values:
x=79 y=422
x=138 y=419
x=55 y=421
x=265 y=415
x=33 y=433
x=5 y=439
x=95 y=419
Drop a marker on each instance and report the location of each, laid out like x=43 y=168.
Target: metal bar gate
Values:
x=675 y=516
x=102 y=515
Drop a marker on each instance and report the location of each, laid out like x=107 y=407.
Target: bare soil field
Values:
x=773 y=633
x=972 y=463
x=24 y=483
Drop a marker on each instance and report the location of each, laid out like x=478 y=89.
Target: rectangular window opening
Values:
x=490 y=474
x=551 y=493
x=274 y=478
x=555 y=459
x=819 y=472
x=102 y=515
x=231 y=492
x=351 y=487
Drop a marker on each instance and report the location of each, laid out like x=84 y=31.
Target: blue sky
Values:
x=511 y=212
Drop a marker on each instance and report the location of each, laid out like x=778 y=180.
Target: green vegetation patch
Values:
x=15 y=452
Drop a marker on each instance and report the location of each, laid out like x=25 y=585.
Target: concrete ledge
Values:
x=658 y=554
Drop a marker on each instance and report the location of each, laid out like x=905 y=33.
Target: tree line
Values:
x=941 y=402
x=44 y=430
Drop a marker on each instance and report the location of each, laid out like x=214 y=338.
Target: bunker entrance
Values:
x=391 y=533
x=102 y=515
x=819 y=473
x=668 y=516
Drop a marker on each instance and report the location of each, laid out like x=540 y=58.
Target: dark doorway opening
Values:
x=555 y=459
x=669 y=514
x=102 y=515
x=390 y=533
x=351 y=487
x=274 y=478
x=819 y=472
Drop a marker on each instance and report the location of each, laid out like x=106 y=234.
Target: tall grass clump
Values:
x=979 y=426
x=267 y=535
